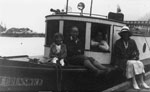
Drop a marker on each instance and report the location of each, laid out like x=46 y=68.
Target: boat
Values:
x=34 y=76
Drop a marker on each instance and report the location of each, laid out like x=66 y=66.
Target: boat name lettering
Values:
x=13 y=81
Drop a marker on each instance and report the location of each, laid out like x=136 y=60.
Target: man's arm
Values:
x=104 y=46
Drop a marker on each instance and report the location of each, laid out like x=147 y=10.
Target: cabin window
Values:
x=52 y=27
x=100 y=34
x=68 y=24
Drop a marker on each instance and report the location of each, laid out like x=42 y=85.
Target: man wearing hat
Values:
x=126 y=56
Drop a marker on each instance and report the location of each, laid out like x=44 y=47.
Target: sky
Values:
x=31 y=13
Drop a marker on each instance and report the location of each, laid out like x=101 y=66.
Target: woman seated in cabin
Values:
x=75 y=54
x=99 y=43
x=127 y=59
x=58 y=51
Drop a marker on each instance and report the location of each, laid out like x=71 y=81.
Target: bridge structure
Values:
x=139 y=27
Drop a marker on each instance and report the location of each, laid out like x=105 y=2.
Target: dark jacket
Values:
x=121 y=54
x=62 y=54
x=74 y=47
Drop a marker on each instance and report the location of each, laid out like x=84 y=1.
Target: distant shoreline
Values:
x=22 y=35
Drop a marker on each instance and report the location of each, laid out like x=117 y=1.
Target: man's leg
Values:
x=88 y=64
x=98 y=65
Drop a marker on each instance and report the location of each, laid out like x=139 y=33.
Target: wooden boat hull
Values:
x=24 y=76
x=29 y=77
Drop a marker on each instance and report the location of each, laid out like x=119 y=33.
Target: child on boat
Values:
x=58 y=51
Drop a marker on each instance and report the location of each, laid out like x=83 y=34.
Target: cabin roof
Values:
x=79 y=16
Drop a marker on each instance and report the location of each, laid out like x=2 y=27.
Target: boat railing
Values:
x=87 y=14
x=79 y=13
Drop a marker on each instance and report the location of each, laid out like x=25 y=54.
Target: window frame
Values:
x=100 y=26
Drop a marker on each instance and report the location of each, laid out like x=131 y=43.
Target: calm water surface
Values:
x=32 y=46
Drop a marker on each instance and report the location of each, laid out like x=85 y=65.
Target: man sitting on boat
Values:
x=75 y=54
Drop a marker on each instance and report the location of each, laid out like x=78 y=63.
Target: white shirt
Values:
x=102 y=45
x=58 y=48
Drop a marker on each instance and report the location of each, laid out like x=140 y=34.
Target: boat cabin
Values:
x=88 y=28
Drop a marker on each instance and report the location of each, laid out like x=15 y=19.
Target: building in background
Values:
x=139 y=27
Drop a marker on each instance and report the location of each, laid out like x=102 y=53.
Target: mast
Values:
x=67 y=6
x=91 y=7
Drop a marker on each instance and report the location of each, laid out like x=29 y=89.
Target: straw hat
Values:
x=125 y=29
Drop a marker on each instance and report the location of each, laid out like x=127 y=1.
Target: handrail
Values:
x=81 y=14
x=87 y=14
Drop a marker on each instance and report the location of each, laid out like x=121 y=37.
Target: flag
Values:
x=118 y=9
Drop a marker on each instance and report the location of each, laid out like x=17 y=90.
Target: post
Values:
x=91 y=7
x=67 y=6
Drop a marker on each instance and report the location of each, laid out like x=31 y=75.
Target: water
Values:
x=32 y=46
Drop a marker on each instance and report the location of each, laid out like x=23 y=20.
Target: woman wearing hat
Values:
x=127 y=58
